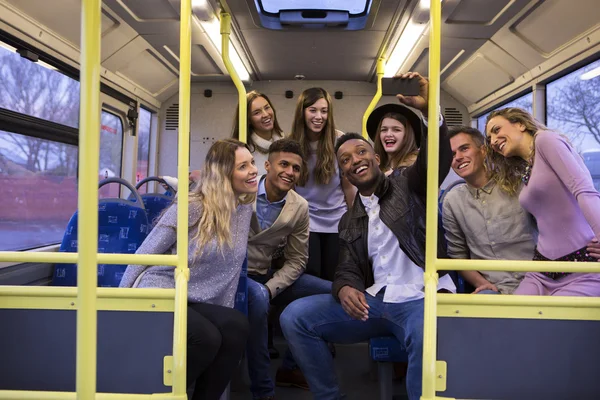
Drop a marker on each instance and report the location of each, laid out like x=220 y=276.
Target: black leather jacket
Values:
x=402 y=209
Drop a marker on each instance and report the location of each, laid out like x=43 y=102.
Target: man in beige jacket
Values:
x=280 y=222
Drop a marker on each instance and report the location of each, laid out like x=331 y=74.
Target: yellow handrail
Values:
x=373 y=103
x=516 y=300
x=431 y=276
x=515 y=265
x=242 y=115
x=87 y=237
x=102 y=258
x=182 y=272
x=33 y=395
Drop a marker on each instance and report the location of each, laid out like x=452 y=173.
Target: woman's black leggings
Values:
x=323 y=250
x=216 y=342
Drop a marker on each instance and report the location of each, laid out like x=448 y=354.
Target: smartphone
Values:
x=394 y=86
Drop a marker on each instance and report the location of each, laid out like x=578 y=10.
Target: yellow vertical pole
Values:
x=225 y=32
x=87 y=228
x=182 y=271
x=431 y=276
x=371 y=107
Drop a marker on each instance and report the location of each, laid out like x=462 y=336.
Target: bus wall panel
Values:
x=520 y=359
x=453 y=52
x=62 y=18
x=212 y=117
x=38 y=351
x=476 y=78
x=552 y=25
x=38 y=274
x=139 y=63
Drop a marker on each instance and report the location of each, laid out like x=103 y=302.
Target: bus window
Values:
x=143 y=155
x=111 y=148
x=37 y=89
x=525 y=102
x=38 y=190
x=574 y=109
x=592 y=161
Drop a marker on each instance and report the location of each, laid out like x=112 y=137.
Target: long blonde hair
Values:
x=406 y=154
x=215 y=193
x=250 y=97
x=508 y=171
x=326 y=161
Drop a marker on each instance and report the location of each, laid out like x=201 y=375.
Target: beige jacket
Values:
x=291 y=228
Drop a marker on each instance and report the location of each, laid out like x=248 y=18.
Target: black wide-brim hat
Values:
x=378 y=113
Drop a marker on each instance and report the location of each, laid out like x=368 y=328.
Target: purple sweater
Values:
x=561 y=196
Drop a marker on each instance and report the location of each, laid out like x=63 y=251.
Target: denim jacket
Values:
x=402 y=209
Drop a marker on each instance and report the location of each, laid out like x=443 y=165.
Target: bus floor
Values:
x=356 y=372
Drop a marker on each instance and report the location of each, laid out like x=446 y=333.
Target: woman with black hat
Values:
x=395 y=131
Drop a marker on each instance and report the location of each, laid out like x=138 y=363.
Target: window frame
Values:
x=52 y=131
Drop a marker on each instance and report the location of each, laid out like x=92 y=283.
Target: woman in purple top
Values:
x=327 y=192
x=220 y=208
x=558 y=191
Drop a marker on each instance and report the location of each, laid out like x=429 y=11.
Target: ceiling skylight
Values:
x=353 y=7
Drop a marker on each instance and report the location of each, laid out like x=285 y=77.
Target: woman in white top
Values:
x=263 y=128
x=328 y=193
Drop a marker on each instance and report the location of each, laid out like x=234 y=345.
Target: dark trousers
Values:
x=323 y=250
x=216 y=342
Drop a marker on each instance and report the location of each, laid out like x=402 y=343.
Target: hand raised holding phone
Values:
x=411 y=97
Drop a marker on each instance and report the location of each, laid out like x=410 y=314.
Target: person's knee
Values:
x=291 y=318
x=235 y=329
x=258 y=301
x=204 y=335
x=258 y=297
x=312 y=285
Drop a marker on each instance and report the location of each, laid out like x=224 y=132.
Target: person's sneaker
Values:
x=291 y=378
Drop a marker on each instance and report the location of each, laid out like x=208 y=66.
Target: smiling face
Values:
x=506 y=138
x=315 y=116
x=391 y=134
x=244 y=179
x=359 y=164
x=467 y=157
x=262 y=117
x=283 y=170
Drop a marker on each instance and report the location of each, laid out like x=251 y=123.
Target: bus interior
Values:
x=540 y=55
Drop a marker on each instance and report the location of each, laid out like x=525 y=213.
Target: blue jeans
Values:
x=488 y=291
x=309 y=322
x=257 y=349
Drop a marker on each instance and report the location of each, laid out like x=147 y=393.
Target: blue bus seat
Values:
x=155 y=203
x=122 y=227
x=241 y=295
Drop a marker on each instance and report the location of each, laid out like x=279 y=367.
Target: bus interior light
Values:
x=411 y=34
x=213 y=30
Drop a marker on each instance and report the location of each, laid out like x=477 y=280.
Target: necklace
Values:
x=527 y=174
